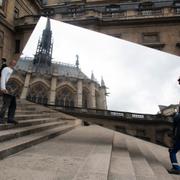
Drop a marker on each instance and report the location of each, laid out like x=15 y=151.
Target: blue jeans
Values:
x=172 y=153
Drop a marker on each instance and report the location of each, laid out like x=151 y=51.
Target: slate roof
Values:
x=57 y=68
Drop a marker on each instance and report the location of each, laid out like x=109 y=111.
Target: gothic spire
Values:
x=102 y=82
x=92 y=76
x=77 y=60
x=43 y=56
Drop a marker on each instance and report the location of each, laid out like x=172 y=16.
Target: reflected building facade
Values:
x=42 y=81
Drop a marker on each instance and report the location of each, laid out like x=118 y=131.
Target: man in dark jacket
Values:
x=179 y=80
x=3 y=64
x=176 y=144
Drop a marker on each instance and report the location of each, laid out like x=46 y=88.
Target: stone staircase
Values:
x=90 y=153
x=133 y=158
x=81 y=153
x=36 y=124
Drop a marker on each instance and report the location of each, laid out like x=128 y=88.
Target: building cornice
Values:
x=116 y=22
x=6 y=24
x=33 y=19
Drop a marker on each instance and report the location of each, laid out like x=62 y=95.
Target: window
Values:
x=113 y=8
x=38 y=94
x=152 y=40
x=150 y=37
x=3 y=4
x=178 y=10
x=17 y=46
x=1 y=39
x=16 y=12
x=65 y=98
x=146 y=5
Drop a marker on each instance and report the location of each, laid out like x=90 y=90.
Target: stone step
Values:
x=33 y=116
x=159 y=170
x=28 y=122
x=134 y=159
x=121 y=167
x=24 y=131
x=162 y=155
x=142 y=168
x=24 y=112
x=36 y=115
x=13 y=146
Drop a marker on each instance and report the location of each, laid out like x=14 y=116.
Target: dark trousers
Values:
x=9 y=103
x=172 y=153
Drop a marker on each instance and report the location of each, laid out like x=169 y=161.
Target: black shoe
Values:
x=174 y=171
x=13 y=122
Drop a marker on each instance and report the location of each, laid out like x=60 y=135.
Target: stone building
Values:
x=13 y=39
x=42 y=81
x=151 y=23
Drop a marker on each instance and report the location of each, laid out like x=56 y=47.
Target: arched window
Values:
x=65 y=97
x=38 y=93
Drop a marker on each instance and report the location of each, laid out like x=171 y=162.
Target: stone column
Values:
x=103 y=103
x=26 y=84
x=53 y=90
x=79 y=93
x=92 y=96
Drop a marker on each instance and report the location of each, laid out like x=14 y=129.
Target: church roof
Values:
x=57 y=68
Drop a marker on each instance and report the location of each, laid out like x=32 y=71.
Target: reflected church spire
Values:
x=43 y=56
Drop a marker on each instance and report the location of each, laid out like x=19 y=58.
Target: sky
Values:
x=138 y=78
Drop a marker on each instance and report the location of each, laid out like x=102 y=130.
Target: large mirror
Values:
x=137 y=78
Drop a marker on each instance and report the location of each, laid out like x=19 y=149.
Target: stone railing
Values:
x=109 y=113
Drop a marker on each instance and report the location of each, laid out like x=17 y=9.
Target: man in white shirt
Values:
x=9 y=100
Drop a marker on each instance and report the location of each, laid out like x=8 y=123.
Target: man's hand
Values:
x=4 y=91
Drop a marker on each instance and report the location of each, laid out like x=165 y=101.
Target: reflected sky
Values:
x=138 y=78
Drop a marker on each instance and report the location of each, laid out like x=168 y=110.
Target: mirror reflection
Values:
x=66 y=65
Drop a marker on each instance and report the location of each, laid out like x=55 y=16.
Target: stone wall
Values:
x=9 y=35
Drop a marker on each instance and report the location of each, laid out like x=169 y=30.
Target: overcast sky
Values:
x=138 y=78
